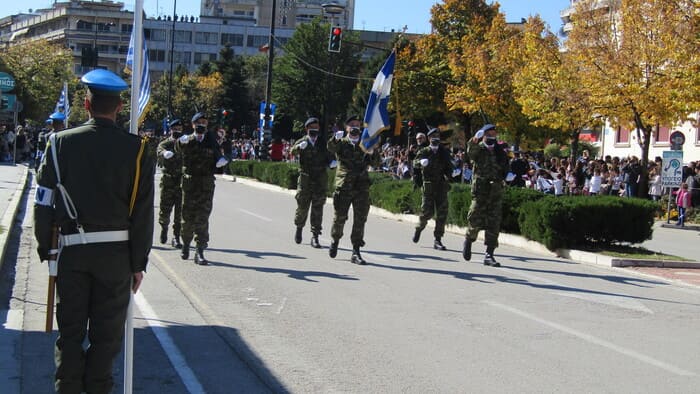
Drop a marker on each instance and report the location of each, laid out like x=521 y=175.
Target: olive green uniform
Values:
x=490 y=168
x=170 y=185
x=351 y=188
x=312 y=184
x=198 y=166
x=97 y=163
x=435 y=187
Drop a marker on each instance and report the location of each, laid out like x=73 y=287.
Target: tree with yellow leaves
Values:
x=639 y=62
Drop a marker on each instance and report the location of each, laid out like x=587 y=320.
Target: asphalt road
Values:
x=270 y=315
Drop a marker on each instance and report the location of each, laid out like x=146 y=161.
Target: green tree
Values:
x=639 y=59
x=230 y=68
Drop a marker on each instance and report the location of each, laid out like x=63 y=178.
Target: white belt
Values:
x=94 y=237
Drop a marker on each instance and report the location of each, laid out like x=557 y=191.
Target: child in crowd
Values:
x=683 y=203
x=595 y=183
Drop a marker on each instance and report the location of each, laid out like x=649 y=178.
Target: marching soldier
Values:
x=313 y=182
x=170 y=159
x=351 y=187
x=200 y=158
x=101 y=200
x=490 y=168
x=417 y=176
x=436 y=167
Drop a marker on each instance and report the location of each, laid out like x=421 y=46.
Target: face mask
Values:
x=176 y=134
x=200 y=129
x=490 y=141
x=434 y=142
x=354 y=139
x=313 y=133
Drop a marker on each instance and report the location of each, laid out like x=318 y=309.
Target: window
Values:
x=182 y=57
x=156 y=55
x=206 y=38
x=183 y=36
x=126 y=28
x=257 y=41
x=234 y=40
x=200 y=57
x=661 y=135
x=622 y=136
x=155 y=34
x=82 y=25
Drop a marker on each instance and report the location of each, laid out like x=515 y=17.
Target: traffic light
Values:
x=334 y=39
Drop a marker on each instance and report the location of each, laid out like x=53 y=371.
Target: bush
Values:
x=513 y=200
x=579 y=221
x=281 y=174
x=395 y=196
x=459 y=199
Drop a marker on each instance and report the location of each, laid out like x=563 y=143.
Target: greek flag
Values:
x=377 y=115
x=145 y=85
x=63 y=104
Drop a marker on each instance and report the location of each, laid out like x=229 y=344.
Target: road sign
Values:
x=677 y=140
x=7 y=104
x=7 y=83
x=672 y=168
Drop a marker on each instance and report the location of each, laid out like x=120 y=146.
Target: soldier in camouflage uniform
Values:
x=170 y=160
x=313 y=182
x=151 y=143
x=351 y=187
x=490 y=168
x=435 y=163
x=200 y=156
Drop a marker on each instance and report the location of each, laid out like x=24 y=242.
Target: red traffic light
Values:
x=224 y=112
x=337 y=31
x=411 y=123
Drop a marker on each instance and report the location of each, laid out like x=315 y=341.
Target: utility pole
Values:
x=172 y=53
x=270 y=59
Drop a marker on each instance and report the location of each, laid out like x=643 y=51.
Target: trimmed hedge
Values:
x=557 y=222
x=567 y=222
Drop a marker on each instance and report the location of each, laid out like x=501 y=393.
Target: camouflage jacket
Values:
x=173 y=165
x=439 y=166
x=313 y=159
x=489 y=164
x=352 y=163
x=199 y=158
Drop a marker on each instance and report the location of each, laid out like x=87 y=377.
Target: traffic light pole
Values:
x=270 y=59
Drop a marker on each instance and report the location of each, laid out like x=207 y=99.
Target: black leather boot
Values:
x=164 y=235
x=357 y=257
x=199 y=257
x=489 y=259
x=185 y=254
x=333 y=249
x=297 y=235
x=467 y=249
x=175 y=242
x=416 y=236
x=438 y=245
x=314 y=242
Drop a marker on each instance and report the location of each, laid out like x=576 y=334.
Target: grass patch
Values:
x=634 y=253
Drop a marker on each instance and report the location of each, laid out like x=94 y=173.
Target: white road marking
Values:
x=284 y=302
x=176 y=358
x=264 y=304
x=252 y=299
x=594 y=340
x=255 y=215
x=620 y=302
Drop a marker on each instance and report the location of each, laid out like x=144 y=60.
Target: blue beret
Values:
x=49 y=121
x=102 y=81
x=487 y=127
x=176 y=122
x=198 y=115
x=310 y=121
x=60 y=116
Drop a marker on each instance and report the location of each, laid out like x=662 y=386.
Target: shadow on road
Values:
x=610 y=278
x=256 y=254
x=411 y=256
x=294 y=274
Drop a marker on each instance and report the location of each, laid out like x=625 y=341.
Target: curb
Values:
x=513 y=240
x=9 y=217
x=687 y=227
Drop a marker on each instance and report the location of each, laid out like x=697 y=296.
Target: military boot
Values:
x=164 y=235
x=489 y=259
x=199 y=257
x=467 y=249
x=438 y=245
x=357 y=257
x=333 y=249
x=297 y=235
x=176 y=242
x=185 y=254
x=416 y=235
x=314 y=242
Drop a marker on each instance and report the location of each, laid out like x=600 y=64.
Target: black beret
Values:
x=310 y=121
x=433 y=131
x=176 y=122
x=199 y=115
x=351 y=118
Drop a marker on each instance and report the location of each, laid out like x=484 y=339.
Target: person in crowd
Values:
x=682 y=203
x=655 y=184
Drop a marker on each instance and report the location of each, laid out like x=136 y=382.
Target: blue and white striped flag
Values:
x=63 y=104
x=377 y=115
x=145 y=85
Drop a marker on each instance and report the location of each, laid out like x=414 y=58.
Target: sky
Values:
x=379 y=15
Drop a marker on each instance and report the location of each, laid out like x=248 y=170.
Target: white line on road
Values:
x=255 y=215
x=594 y=340
x=284 y=302
x=176 y=358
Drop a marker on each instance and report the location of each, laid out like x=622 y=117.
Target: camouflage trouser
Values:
x=359 y=198
x=485 y=211
x=170 y=196
x=434 y=202
x=311 y=192
x=197 y=197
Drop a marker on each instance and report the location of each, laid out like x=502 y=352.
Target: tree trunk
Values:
x=573 y=154
x=644 y=140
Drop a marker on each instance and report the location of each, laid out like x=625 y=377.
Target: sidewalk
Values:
x=13 y=179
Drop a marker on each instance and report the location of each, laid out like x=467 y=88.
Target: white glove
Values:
x=184 y=139
x=479 y=134
x=333 y=164
x=423 y=162
x=370 y=151
x=222 y=162
x=303 y=145
x=339 y=134
x=510 y=177
x=168 y=154
x=456 y=172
